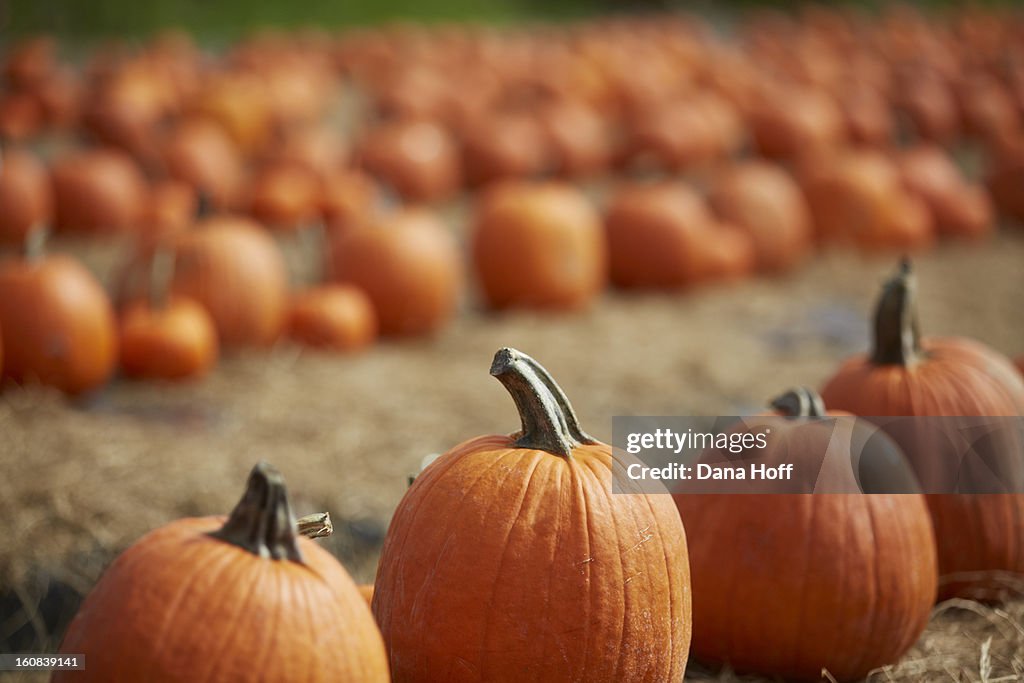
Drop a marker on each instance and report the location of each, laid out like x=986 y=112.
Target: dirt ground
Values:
x=80 y=481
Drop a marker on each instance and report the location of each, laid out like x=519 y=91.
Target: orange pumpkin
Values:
x=57 y=323
x=1005 y=177
x=502 y=147
x=236 y=271
x=528 y=565
x=300 y=612
x=99 y=191
x=171 y=209
x=538 y=245
x=418 y=159
x=858 y=197
x=202 y=154
x=655 y=234
x=958 y=208
x=578 y=138
x=768 y=205
x=172 y=340
x=906 y=374
x=335 y=317
x=790 y=121
x=408 y=264
x=285 y=196
x=25 y=195
x=842 y=582
x=348 y=197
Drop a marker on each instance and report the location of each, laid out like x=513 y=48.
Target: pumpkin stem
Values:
x=262 y=522
x=897 y=336
x=571 y=421
x=546 y=426
x=161 y=272
x=35 y=243
x=799 y=402
x=316 y=525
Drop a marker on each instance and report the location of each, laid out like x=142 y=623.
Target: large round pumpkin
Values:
x=240 y=600
x=25 y=195
x=538 y=245
x=98 y=191
x=979 y=536
x=790 y=584
x=237 y=272
x=57 y=323
x=527 y=565
x=408 y=264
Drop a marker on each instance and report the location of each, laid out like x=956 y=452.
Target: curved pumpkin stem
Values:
x=262 y=522
x=546 y=426
x=35 y=243
x=571 y=421
x=799 y=402
x=897 y=335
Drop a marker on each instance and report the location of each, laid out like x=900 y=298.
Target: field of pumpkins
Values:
x=245 y=284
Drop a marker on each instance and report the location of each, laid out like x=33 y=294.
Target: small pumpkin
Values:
x=409 y=265
x=285 y=196
x=528 y=565
x=504 y=147
x=764 y=201
x=579 y=139
x=299 y=612
x=236 y=271
x=163 y=337
x=202 y=154
x=538 y=245
x=789 y=121
x=25 y=195
x=57 y=322
x=789 y=585
x=419 y=159
x=334 y=317
x=905 y=374
x=98 y=191
x=348 y=197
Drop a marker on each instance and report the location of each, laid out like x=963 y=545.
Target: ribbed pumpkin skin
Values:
x=505 y=564
x=153 y=617
x=786 y=584
x=975 y=533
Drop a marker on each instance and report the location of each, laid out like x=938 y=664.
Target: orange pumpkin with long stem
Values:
x=57 y=322
x=296 y=611
x=842 y=582
x=165 y=337
x=980 y=536
x=528 y=565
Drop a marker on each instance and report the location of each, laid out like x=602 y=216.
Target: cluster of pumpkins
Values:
x=511 y=557
x=790 y=133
